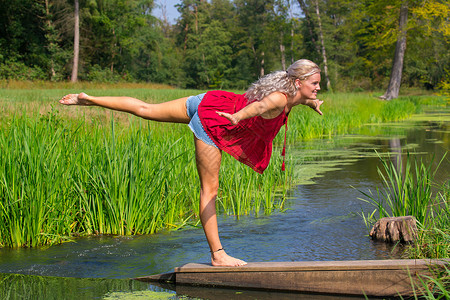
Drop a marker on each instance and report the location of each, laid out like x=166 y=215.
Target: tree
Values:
x=76 y=42
x=279 y=34
x=400 y=48
x=322 y=44
x=194 y=19
x=311 y=27
x=227 y=43
x=254 y=17
x=215 y=54
x=22 y=36
x=428 y=56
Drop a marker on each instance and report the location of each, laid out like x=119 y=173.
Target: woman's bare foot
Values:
x=75 y=99
x=220 y=258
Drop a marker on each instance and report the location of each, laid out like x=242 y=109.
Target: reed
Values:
x=34 y=196
x=242 y=191
x=436 y=286
x=407 y=189
x=85 y=170
x=87 y=178
x=433 y=240
x=343 y=112
x=135 y=183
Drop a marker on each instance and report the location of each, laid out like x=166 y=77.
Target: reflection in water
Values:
x=14 y=286
x=396 y=153
x=321 y=222
x=226 y=294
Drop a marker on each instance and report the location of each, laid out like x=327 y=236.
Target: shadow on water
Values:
x=322 y=222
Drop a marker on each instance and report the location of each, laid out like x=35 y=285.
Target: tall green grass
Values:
x=34 y=184
x=61 y=177
x=343 y=112
x=433 y=240
x=436 y=286
x=86 y=170
x=407 y=189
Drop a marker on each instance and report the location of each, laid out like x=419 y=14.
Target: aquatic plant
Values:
x=436 y=286
x=344 y=112
x=433 y=241
x=35 y=204
x=407 y=189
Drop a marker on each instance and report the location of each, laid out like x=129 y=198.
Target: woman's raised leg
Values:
x=208 y=164
x=171 y=111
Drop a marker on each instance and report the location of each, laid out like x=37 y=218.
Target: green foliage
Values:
x=344 y=111
x=406 y=189
x=436 y=286
x=20 y=37
x=34 y=202
x=399 y=110
x=222 y=43
x=205 y=38
x=97 y=74
x=12 y=69
x=433 y=240
x=444 y=86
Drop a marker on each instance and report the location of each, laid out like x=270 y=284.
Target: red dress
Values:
x=250 y=141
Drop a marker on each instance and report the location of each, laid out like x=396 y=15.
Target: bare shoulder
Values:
x=276 y=103
x=278 y=99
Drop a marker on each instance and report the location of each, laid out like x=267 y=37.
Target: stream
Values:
x=321 y=222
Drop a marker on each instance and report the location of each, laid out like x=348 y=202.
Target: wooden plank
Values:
x=370 y=277
x=308 y=266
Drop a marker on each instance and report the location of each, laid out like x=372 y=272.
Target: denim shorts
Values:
x=196 y=126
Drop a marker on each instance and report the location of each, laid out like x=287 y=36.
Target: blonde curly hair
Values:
x=282 y=81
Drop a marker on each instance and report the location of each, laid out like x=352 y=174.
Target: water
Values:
x=321 y=221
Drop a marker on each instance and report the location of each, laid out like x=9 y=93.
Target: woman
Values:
x=241 y=125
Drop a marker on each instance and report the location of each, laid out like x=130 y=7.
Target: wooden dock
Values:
x=378 y=278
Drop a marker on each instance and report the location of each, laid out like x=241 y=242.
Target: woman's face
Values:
x=309 y=87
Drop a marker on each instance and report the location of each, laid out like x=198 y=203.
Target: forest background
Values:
x=225 y=44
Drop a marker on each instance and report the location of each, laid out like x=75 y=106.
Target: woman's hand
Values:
x=233 y=120
x=316 y=105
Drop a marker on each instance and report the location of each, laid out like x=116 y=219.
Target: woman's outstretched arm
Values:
x=269 y=107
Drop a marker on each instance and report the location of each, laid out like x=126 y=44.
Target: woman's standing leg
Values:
x=208 y=164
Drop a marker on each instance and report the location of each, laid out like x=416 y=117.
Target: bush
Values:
x=97 y=74
x=12 y=69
